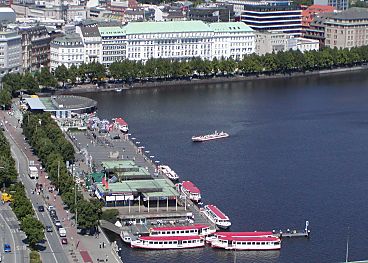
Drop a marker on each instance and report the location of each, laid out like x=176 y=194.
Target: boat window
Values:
x=155 y=243
x=165 y=242
x=277 y=243
x=154 y=233
x=170 y=242
x=262 y=243
x=184 y=242
x=186 y=231
x=160 y=243
x=253 y=243
x=192 y=231
x=258 y=243
x=150 y=242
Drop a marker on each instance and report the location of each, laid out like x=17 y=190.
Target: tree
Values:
x=5 y=98
x=45 y=78
x=33 y=228
x=62 y=74
x=89 y=213
x=110 y=215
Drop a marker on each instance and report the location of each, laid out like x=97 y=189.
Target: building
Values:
x=67 y=50
x=311 y=12
x=7 y=15
x=92 y=42
x=337 y=4
x=232 y=40
x=287 y=19
x=113 y=44
x=217 y=13
x=241 y=5
x=316 y=29
x=10 y=53
x=303 y=44
x=270 y=42
x=347 y=29
x=35 y=47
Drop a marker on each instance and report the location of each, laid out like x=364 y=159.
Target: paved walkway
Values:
x=80 y=248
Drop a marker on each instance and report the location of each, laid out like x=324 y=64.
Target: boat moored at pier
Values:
x=168 y=172
x=230 y=242
x=193 y=230
x=190 y=190
x=214 y=136
x=122 y=125
x=168 y=242
x=217 y=216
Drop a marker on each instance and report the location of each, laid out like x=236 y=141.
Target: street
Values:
x=52 y=250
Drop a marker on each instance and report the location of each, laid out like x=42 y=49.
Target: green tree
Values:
x=89 y=213
x=5 y=98
x=62 y=74
x=34 y=230
x=110 y=215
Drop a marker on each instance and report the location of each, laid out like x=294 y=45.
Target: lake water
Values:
x=297 y=151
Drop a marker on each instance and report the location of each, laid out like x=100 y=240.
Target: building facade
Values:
x=232 y=40
x=303 y=44
x=316 y=29
x=67 y=50
x=311 y=12
x=113 y=44
x=347 y=29
x=270 y=42
x=337 y=4
x=287 y=19
x=92 y=42
x=218 y=13
x=35 y=47
x=10 y=53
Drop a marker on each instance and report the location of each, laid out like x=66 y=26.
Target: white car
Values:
x=50 y=207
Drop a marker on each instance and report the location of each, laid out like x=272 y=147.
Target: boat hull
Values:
x=215 y=244
x=159 y=247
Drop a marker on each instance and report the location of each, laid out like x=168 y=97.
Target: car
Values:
x=53 y=213
x=7 y=248
x=57 y=224
x=48 y=228
x=64 y=241
x=50 y=208
x=41 y=208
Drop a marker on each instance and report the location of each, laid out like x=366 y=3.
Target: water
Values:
x=297 y=151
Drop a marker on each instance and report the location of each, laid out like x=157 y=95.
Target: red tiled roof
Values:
x=191 y=187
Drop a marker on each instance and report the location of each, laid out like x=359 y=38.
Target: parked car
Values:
x=57 y=224
x=41 y=208
x=48 y=228
x=53 y=213
x=50 y=207
x=62 y=232
x=7 y=248
x=64 y=241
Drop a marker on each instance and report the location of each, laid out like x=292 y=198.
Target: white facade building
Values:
x=10 y=52
x=303 y=44
x=232 y=39
x=92 y=42
x=182 y=40
x=67 y=50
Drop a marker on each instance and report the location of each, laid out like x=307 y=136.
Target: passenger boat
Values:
x=217 y=216
x=122 y=125
x=246 y=241
x=168 y=242
x=190 y=190
x=193 y=230
x=166 y=170
x=214 y=136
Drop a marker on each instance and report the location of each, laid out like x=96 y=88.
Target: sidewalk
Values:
x=80 y=248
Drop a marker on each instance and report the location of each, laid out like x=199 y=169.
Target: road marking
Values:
x=15 y=254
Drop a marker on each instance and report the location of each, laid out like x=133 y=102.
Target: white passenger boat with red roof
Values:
x=192 y=230
x=217 y=216
x=168 y=242
x=246 y=241
x=190 y=190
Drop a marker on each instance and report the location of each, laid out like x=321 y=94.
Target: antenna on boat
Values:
x=347 y=246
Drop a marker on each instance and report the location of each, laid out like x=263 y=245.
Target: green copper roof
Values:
x=166 y=27
x=111 y=31
x=230 y=27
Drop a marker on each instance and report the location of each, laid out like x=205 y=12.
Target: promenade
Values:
x=80 y=248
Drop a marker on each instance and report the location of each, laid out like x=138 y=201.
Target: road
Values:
x=52 y=250
x=11 y=234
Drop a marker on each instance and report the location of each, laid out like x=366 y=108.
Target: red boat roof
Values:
x=197 y=226
x=252 y=239
x=191 y=187
x=244 y=234
x=121 y=121
x=217 y=212
x=164 y=238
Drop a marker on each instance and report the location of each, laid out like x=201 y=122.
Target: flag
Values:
x=216 y=13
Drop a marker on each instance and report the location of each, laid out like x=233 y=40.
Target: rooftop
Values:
x=354 y=13
x=230 y=27
x=70 y=38
x=121 y=164
x=67 y=103
x=91 y=31
x=163 y=27
x=111 y=31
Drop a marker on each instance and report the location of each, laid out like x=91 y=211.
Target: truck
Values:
x=5 y=197
x=62 y=232
x=33 y=172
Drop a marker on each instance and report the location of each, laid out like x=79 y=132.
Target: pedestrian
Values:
x=103 y=244
x=100 y=245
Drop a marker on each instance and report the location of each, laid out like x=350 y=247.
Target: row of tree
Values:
x=21 y=205
x=165 y=69
x=54 y=150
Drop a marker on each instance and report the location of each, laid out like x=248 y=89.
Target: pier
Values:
x=294 y=233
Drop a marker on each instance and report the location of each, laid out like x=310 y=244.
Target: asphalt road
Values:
x=12 y=235
x=51 y=250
